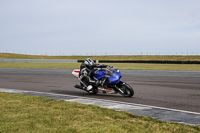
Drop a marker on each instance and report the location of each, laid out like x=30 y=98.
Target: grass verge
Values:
x=109 y=57
x=129 y=66
x=23 y=113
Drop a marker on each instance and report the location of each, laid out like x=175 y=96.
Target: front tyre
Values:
x=126 y=90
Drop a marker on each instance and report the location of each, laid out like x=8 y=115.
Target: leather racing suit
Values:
x=86 y=75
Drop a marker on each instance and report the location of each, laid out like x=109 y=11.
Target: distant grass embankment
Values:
x=130 y=66
x=109 y=57
x=127 y=66
x=22 y=113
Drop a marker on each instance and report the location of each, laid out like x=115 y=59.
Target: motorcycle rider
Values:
x=87 y=69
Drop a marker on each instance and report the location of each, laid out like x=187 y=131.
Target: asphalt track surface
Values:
x=170 y=89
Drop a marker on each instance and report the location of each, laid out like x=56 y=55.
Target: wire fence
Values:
x=104 y=54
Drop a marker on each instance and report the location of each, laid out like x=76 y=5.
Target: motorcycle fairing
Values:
x=114 y=79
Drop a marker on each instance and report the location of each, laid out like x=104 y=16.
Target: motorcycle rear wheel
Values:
x=127 y=90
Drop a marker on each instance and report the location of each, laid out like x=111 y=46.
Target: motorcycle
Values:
x=114 y=86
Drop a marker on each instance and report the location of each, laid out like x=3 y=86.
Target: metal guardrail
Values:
x=38 y=60
x=149 y=61
x=97 y=61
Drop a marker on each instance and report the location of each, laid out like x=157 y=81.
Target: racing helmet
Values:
x=89 y=63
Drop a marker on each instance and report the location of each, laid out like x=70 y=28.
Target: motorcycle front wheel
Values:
x=126 y=90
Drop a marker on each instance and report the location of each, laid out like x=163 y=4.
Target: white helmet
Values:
x=89 y=63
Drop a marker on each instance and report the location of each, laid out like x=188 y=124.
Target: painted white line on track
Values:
x=134 y=104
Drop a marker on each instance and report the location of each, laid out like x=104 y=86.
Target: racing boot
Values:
x=89 y=88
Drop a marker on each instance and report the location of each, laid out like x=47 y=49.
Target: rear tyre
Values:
x=126 y=90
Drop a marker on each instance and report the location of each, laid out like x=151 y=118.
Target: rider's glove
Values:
x=111 y=66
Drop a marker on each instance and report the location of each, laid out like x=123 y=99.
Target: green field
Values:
x=111 y=57
x=130 y=66
x=26 y=114
x=127 y=66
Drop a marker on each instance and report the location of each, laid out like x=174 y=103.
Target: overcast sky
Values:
x=100 y=26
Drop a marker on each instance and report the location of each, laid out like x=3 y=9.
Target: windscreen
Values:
x=109 y=71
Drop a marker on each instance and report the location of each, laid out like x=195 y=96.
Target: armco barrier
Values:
x=98 y=61
x=38 y=60
x=149 y=61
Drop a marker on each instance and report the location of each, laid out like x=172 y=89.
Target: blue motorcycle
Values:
x=114 y=86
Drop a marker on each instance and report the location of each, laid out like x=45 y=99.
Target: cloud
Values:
x=64 y=25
